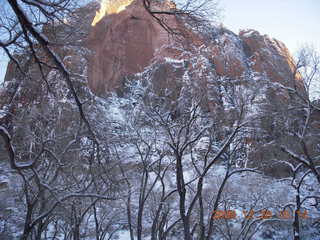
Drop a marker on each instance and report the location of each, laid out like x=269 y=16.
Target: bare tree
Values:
x=302 y=150
x=23 y=28
x=196 y=13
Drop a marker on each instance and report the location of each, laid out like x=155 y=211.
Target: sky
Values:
x=294 y=22
x=3 y=66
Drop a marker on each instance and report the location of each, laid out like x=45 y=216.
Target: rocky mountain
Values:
x=122 y=44
x=127 y=42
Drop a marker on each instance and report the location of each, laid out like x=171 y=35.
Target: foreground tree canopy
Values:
x=202 y=156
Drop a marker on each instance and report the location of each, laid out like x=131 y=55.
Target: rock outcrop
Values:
x=123 y=43
x=126 y=42
x=130 y=41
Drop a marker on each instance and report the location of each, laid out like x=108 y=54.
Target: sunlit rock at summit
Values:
x=110 y=7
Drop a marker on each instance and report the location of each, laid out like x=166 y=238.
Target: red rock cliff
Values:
x=125 y=43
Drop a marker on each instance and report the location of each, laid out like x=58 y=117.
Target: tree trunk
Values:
x=296 y=226
x=182 y=195
x=76 y=232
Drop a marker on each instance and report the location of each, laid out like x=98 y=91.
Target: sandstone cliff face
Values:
x=125 y=43
x=130 y=44
x=270 y=56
